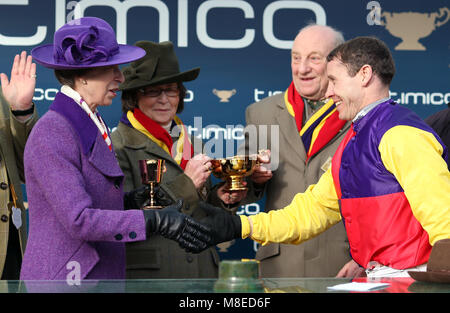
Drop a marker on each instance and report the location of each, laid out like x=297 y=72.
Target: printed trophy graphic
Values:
x=234 y=169
x=404 y=25
x=224 y=95
x=151 y=174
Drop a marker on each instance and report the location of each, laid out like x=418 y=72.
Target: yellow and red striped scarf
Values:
x=184 y=150
x=320 y=128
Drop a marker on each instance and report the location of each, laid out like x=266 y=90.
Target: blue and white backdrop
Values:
x=243 y=50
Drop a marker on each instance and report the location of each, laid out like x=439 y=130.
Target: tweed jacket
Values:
x=13 y=135
x=325 y=254
x=74 y=188
x=158 y=257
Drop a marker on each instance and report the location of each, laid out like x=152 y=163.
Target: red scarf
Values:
x=158 y=132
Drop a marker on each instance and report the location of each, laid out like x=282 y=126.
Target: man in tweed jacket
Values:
x=17 y=117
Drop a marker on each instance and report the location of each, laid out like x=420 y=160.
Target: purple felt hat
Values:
x=84 y=43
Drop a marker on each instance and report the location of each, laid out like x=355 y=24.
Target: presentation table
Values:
x=202 y=286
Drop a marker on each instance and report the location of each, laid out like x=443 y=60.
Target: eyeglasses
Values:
x=153 y=93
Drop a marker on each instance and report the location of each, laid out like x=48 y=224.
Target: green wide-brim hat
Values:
x=158 y=66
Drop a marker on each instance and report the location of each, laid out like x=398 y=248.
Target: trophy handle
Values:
x=441 y=14
x=384 y=16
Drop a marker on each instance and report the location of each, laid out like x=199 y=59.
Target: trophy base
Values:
x=230 y=188
x=410 y=45
x=235 y=184
x=152 y=207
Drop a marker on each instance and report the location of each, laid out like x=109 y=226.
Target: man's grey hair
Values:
x=338 y=36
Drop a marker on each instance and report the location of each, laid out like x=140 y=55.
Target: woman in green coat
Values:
x=152 y=95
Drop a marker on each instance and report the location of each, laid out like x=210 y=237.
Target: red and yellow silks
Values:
x=183 y=151
x=320 y=128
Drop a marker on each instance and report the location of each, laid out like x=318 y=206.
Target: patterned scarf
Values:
x=320 y=128
x=95 y=116
x=141 y=122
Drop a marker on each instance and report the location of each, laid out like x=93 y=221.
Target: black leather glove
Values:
x=140 y=197
x=224 y=225
x=172 y=224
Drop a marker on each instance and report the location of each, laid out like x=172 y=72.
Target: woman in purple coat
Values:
x=74 y=183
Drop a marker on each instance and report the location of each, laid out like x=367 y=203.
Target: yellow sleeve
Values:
x=309 y=214
x=414 y=157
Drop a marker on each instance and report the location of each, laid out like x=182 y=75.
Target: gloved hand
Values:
x=224 y=225
x=172 y=224
x=140 y=197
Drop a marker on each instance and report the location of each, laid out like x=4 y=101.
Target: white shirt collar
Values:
x=368 y=108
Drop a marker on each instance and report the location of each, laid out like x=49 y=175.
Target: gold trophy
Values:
x=151 y=174
x=234 y=169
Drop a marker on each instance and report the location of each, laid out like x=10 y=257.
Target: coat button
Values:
x=3 y=185
x=132 y=235
x=118 y=237
x=4 y=218
x=189 y=258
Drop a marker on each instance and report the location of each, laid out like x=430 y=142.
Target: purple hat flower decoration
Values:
x=85 y=43
x=82 y=49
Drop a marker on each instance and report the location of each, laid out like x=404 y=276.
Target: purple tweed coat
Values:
x=74 y=189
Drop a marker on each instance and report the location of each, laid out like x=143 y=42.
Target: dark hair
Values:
x=67 y=77
x=366 y=50
x=130 y=98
